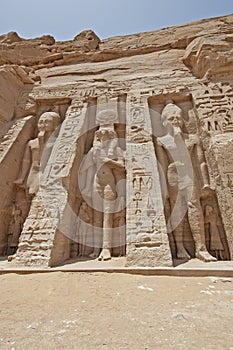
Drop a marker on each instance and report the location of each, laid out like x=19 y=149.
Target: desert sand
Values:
x=64 y=310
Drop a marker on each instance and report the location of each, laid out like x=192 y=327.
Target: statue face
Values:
x=106 y=134
x=175 y=119
x=45 y=123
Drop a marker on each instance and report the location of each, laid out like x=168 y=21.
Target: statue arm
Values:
x=96 y=148
x=112 y=146
x=114 y=163
x=162 y=160
x=26 y=163
x=203 y=165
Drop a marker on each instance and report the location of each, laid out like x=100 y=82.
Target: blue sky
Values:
x=65 y=19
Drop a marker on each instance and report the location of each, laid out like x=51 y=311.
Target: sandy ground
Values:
x=62 y=310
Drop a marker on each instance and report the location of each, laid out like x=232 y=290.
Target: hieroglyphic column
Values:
x=147 y=240
x=214 y=106
x=46 y=232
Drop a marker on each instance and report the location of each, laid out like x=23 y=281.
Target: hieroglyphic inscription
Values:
x=143 y=192
x=214 y=104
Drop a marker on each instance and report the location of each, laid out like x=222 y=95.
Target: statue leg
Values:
x=196 y=222
x=97 y=228
x=178 y=210
x=109 y=203
x=181 y=252
x=97 y=223
x=107 y=231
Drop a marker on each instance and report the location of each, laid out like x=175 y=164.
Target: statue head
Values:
x=48 y=121
x=106 y=133
x=172 y=115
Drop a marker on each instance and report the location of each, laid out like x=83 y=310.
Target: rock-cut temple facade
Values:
x=120 y=147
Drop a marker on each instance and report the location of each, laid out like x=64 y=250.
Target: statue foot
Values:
x=105 y=254
x=205 y=256
x=94 y=254
x=182 y=254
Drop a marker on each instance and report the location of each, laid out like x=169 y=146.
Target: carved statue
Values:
x=182 y=159
x=37 y=152
x=213 y=222
x=103 y=169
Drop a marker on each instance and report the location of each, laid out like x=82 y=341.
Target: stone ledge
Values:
x=177 y=272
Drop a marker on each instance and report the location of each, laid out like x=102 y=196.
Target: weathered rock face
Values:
x=120 y=147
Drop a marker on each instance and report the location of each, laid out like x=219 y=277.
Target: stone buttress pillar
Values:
x=45 y=239
x=146 y=233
